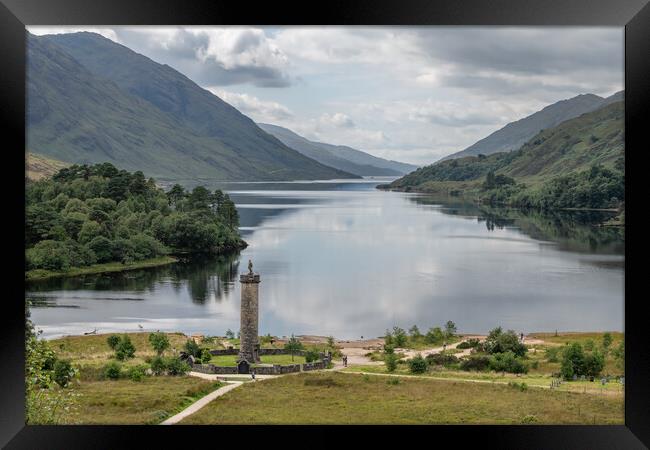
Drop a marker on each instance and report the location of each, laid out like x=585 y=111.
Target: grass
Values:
x=42 y=274
x=93 y=350
x=532 y=379
x=231 y=360
x=342 y=398
x=123 y=402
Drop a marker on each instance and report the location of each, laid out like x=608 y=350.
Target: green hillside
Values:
x=141 y=115
x=582 y=156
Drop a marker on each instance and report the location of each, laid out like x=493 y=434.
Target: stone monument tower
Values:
x=249 y=337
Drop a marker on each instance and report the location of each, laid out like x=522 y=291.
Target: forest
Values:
x=87 y=215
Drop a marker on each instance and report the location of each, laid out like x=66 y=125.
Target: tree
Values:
x=489 y=180
x=230 y=334
x=573 y=361
x=175 y=194
x=434 y=336
x=159 y=342
x=619 y=355
x=44 y=405
x=390 y=360
x=388 y=338
x=607 y=342
x=293 y=345
x=399 y=337
x=192 y=348
x=450 y=329
x=199 y=198
x=414 y=332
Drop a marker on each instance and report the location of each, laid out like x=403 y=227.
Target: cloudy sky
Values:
x=412 y=94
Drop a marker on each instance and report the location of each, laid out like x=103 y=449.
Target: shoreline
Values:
x=42 y=274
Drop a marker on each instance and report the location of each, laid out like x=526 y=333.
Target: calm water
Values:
x=345 y=259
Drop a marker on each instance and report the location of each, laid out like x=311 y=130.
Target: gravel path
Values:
x=194 y=407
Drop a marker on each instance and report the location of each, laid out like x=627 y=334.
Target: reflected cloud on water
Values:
x=355 y=262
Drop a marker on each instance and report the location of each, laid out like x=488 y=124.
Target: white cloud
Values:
x=338 y=120
x=258 y=110
x=408 y=93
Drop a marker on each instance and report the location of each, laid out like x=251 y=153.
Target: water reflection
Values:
x=348 y=260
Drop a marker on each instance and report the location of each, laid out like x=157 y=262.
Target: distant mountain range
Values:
x=92 y=100
x=515 y=134
x=339 y=156
x=571 y=147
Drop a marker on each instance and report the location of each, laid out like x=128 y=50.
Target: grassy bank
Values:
x=126 y=402
x=339 y=398
x=42 y=274
x=231 y=360
x=93 y=350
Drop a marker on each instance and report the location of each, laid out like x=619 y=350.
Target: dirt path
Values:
x=356 y=351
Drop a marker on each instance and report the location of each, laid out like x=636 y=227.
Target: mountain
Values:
x=341 y=157
x=39 y=167
x=91 y=100
x=574 y=146
x=515 y=134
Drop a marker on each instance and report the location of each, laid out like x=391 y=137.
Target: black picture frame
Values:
x=634 y=15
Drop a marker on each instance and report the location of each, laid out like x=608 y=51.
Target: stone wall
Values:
x=262 y=351
x=212 y=369
x=221 y=352
x=280 y=351
x=317 y=365
x=290 y=368
x=268 y=370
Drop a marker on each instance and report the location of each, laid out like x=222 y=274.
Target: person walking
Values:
x=253 y=374
x=345 y=360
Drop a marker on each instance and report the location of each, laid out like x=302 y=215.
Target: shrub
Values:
x=499 y=341
x=125 y=348
x=478 y=363
x=112 y=341
x=391 y=362
x=63 y=372
x=470 y=343
x=311 y=356
x=112 y=370
x=192 y=348
x=417 y=364
x=206 y=356
x=507 y=362
x=552 y=354
x=159 y=342
x=175 y=366
x=529 y=418
x=393 y=381
x=441 y=359
x=157 y=365
x=534 y=365
x=521 y=386
x=137 y=373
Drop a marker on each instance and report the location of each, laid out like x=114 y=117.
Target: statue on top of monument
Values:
x=250 y=267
